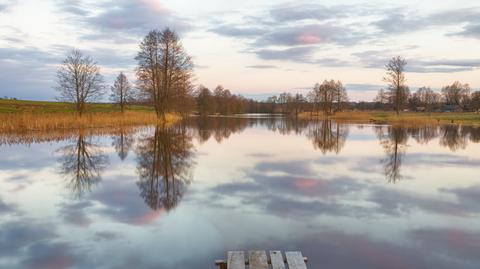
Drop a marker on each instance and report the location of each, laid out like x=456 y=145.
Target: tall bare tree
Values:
x=79 y=80
x=163 y=69
x=398 y=90
x=122 y=91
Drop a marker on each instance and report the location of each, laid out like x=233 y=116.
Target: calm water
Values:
x=347 y=196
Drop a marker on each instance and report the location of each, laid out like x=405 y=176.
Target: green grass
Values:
x=22 y=106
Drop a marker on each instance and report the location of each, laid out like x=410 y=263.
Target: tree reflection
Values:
x=454 y=137
x=423 y=134
x=164 y=166
x=82 y=163
x=394 y=140
x=122 y=142
x=328 y=136
x=219 y=127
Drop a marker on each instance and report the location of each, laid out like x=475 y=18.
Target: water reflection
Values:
x=316 y=186
x=454 y=137
x=328 y=136
x=122 y=142
x=82 y=163
x=394 y=141
x=165 y=160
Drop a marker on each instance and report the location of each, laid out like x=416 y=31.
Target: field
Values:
x=22 y=106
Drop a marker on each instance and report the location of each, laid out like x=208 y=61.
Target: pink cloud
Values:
x=309 y=38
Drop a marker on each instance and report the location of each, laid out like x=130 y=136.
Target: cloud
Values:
x=16 y=235
x=296 y=32
x=27 y=72
x=392 y=202
x=299 y=54
x=404 y=21
x=6 y=5
x=363 y=87
x=75 y=213
x=471 y=30
x=43 y=255
x=74 y=7
x=136 y=17
x=310 y=35
x=238 y=31
x=262 y=66
x=454 y=244
x=305 y=11
x=378 y=59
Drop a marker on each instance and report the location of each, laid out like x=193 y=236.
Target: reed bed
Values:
x=54 y=121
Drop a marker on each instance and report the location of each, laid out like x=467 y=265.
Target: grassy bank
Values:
x=18 y=116
x=382 y=117
x=24 y=106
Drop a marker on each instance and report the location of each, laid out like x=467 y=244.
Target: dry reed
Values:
x=54 y=121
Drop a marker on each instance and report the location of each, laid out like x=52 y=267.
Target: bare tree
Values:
x=163 y=69
x=475 y=99
x=457 y=94
x=427 y=98
x=398 y=90
x=327 y=91
x=122 y=91
x=205 y=101
x=79 y=80
x=382 y=99
x=341 y=96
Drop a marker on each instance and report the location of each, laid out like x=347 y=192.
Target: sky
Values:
x=256 y=48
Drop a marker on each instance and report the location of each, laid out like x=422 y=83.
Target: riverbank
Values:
x=19 y=115
x=382 y=117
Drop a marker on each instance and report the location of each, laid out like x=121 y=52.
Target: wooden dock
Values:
x=259 y=260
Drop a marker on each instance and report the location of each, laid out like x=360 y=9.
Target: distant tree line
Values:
x=456 y=97
x=164 y=75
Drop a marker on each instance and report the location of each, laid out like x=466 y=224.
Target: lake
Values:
x=346 y=195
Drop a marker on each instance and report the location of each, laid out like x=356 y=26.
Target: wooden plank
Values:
x=236 y=260
x=277 y=259
x=258 y=259
x=295 y=260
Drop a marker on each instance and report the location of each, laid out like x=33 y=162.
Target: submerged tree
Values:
x=164 y=70
x=82 y=163
x=122 y=91
x=398 y=91
x=79 y=80
x=164 y=166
